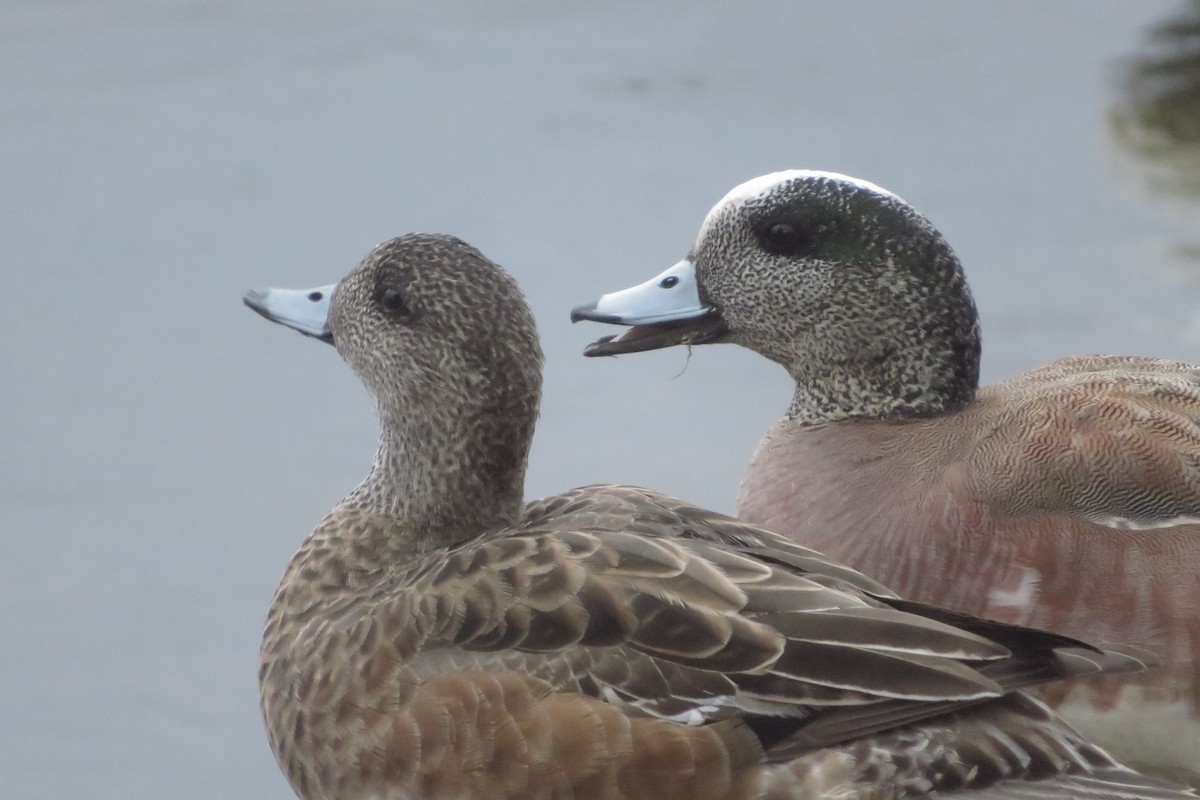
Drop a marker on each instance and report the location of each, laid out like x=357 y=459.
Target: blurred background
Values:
x=164 y=450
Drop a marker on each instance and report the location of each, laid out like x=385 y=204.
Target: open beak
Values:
x=662 y=312
x=305 y=310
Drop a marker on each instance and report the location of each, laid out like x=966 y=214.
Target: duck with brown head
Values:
x=436 y=638
x=1066 y=498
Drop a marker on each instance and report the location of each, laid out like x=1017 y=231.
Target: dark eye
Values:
x=393 y=301
x=783 y=238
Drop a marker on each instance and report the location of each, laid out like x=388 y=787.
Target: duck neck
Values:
x=447 y=476
x=897 y=386
x=876 y=369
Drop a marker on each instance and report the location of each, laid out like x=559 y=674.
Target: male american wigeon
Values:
x=1066 y=498
x=435 y=637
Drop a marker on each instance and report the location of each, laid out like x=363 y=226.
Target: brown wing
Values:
x=675 y=612
x=1113 y=439
x=622 y=644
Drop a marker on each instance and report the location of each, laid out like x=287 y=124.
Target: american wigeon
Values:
x=437 y=638
x=1067 y=498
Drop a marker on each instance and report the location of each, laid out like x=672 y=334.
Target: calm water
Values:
x=165 y=450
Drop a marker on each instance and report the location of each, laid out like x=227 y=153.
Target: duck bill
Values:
x=304 y=310
x=662 y=312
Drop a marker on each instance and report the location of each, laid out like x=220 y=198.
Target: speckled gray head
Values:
x=843 y=283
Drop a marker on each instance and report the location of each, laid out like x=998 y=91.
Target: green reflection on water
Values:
x=1157 y=115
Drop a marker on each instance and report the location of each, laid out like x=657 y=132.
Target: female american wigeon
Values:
x=1066 y=498
x=435 y=637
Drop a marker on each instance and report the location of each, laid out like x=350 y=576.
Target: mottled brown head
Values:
x=426 y=320
x=447 y=347
x=841 y=282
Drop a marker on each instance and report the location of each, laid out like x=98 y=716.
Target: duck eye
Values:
x=393 y=301
x=782 y=238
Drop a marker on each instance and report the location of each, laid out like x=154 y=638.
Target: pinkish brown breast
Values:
x=899 y=501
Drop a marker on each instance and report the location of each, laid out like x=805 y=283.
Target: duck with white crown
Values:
x=1066 y=498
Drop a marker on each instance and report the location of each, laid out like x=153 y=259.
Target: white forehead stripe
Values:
x=763 y=184
x=757 y=186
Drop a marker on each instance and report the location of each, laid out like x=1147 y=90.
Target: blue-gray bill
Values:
x=304 y=310
x=664 y=311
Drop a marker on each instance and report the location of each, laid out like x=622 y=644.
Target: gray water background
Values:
x=163 y=450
